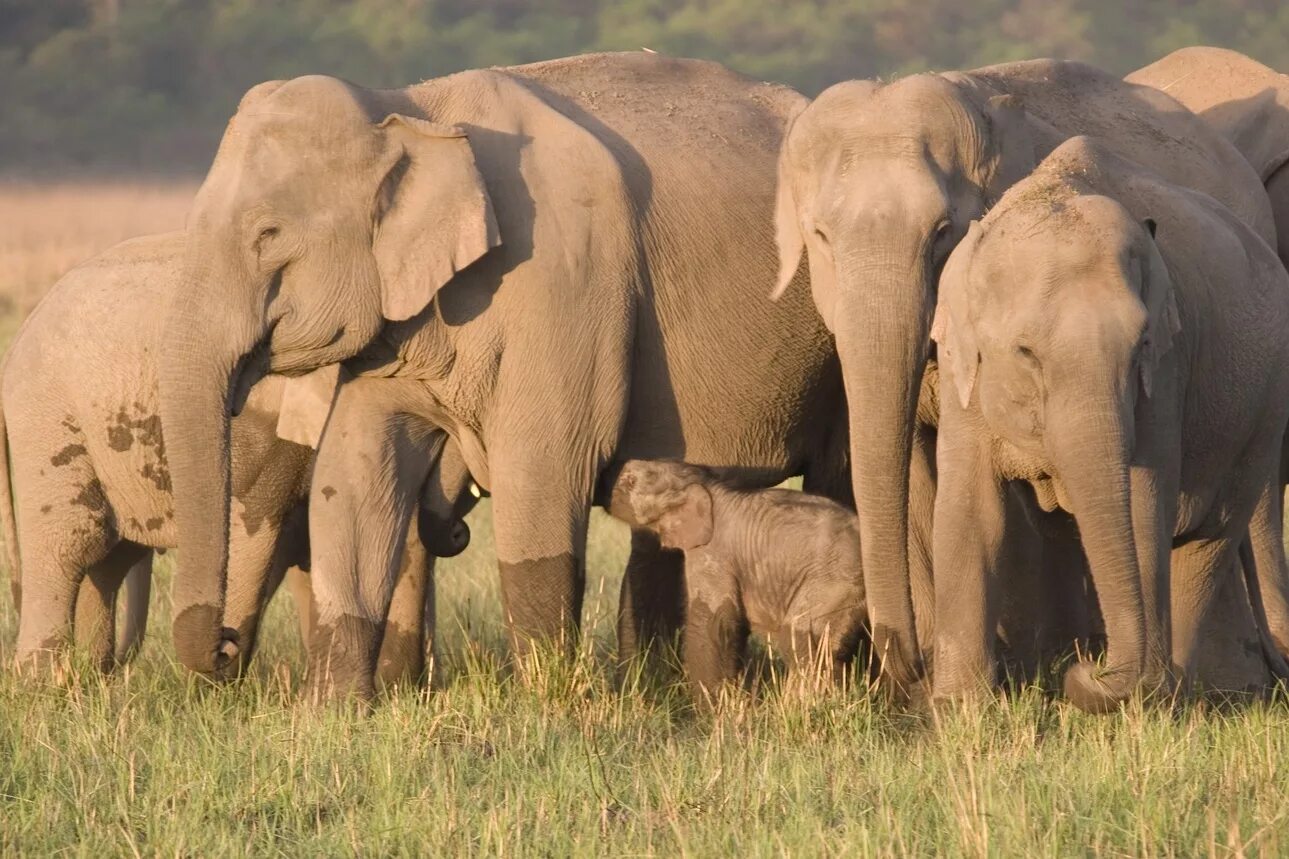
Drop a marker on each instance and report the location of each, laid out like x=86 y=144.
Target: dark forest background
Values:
x=144 y=85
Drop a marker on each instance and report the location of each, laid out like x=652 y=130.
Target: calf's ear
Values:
x=688 y=524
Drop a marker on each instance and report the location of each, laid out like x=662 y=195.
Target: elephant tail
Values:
x=8 y=521
x=1275 y=660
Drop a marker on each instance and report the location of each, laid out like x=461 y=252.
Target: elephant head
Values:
x=671 y=499
x=1053 y=319
x=323 y=215
x=877 y=184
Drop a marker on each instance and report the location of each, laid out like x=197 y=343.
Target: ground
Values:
x=153 y=762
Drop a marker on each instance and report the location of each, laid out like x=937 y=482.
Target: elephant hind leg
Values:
x=1271 y=571
x=95 y=617
x=138 y=593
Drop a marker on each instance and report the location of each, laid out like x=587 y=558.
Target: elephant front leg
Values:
x=371 y=464
x=716 y=628
x=408 y=631
x=970 y=516
x=652 y=605
x=541 y=506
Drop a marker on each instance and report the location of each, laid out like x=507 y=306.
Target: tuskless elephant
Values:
x=877 y=185
x=1116 y=343
x=91 y=486
x=1248 y=103
x=775 y=562
x=569 y=259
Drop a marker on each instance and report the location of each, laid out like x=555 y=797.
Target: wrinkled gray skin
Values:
x=779 y=563
x=877 y=184
x=561 y=249
x=89 y=467
x=1117 y=343
x=1243 y=100
x=1248 y=103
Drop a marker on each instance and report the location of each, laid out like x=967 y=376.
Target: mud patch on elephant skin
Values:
x=123 y=431
x=91 y=497
x=328 y=492
x=343 y=659
x=402 y=657
x=542 y=601
x=155 y=523
x=158 y=474
x=45 y=508
x=67 y=454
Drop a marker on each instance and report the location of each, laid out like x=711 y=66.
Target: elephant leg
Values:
x=371 y=464
x=138 y=594
x=298 y=582
x=95 y=620
x=716 y=628
x=59 y=541
x=922 y=487
x=255 y=569
x=541 y=508
x=1266 y=538
x=970 y=522
x=651 y=609
x=1216 y=641
x=404 y=646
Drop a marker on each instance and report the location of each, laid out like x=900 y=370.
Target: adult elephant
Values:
x=878 y=183
x=572 y=255
x=1248 y=104
x=1243 y=100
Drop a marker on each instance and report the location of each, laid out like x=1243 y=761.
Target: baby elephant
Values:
x=781 y=563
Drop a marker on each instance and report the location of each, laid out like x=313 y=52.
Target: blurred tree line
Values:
x=148 y=84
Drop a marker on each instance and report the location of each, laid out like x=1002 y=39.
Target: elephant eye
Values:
x=265 y=238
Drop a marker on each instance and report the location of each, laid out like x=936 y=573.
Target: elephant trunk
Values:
x=882 y=333
x=1091 y=456
x=202 y=353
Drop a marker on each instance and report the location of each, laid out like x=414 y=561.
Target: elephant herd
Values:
x=1029 y=322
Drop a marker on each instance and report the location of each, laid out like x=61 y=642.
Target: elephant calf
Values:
x=1118 y=344
x=780 y=563
x=93 y=494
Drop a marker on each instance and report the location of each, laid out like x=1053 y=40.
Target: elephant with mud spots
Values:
x=568 y=259
x=87 y=455
x=1116 y=343
x=877 y=185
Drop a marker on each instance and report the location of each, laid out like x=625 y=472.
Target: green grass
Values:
x=153 y=762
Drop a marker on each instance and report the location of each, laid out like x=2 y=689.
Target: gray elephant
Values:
x=877 y=184
x=87 y=455
x=1245 y=101
x=776 y=562
x=569 y=258
x=1248 y=103
x=1117 y=343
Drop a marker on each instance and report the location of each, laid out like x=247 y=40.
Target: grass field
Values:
x=151 y=762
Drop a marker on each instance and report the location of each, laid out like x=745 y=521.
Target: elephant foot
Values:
x=342 y=660
x=1097 y=690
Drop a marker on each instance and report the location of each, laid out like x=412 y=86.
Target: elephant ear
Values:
x=1163 y=321
x=787 y=224
x=257 y=94
x=435 y=216
x=1011 y=143
x=687 y=524
x=306 y=404
x=952 y=329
